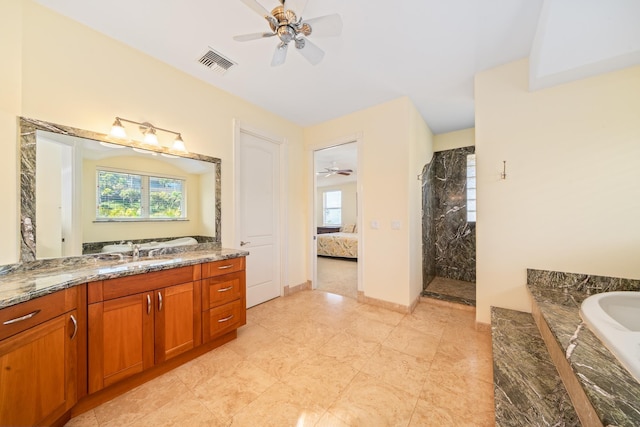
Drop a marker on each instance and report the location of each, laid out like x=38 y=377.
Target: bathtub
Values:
x=614 y=317
x=182 y=241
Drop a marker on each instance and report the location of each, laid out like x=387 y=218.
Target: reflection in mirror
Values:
x=84 y=192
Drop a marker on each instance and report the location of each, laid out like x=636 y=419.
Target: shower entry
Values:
x=449 y=226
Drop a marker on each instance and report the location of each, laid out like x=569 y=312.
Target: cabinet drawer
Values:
x=129 y=285
x=22 y=316
x=223 y=319
x=222 y=289
x=218 y=268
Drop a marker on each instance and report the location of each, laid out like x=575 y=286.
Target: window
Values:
x=332 y=207
x=131 y=196
x=471 y=188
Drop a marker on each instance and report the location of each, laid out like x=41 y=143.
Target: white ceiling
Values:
x=428 y=50
x=343 y=156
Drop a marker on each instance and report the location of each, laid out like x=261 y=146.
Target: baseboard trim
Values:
x=404 y=309
x=306 y=286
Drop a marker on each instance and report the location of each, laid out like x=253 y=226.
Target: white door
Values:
x=258 y=214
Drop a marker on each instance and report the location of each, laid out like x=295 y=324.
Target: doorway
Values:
x=336 y=234
x=259 y=200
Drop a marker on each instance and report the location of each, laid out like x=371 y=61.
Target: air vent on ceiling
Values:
x=216 y=61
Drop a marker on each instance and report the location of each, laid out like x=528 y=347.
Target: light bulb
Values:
x=178 y=144
x=150 y=137
x=117 y=130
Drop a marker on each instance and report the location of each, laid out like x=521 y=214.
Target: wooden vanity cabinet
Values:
x=223 y=297
x=39 y=358
x=136 y=322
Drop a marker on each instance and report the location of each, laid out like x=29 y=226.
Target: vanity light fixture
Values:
x=149 y=132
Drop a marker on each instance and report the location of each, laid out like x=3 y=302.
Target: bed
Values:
x=342 y=244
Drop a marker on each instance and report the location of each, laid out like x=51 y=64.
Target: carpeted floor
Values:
x=338 y=276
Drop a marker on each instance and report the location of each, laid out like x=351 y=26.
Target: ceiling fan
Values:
x=335 y=171
x=286 y=22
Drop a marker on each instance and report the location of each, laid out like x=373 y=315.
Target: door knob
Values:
x=243 y=243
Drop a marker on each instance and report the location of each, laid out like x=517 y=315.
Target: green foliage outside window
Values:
x=121 y=195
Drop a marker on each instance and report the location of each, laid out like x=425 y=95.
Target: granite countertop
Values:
x=25 y=281
x=613 y=392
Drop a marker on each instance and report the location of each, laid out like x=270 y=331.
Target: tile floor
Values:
x=319 y=359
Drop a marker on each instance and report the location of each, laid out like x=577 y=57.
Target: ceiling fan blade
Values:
x=344 y=173
x=279 y=55
x=325 y=26
x=311 y=52
x=298 y=6
x=252 y=36
x=256 y=7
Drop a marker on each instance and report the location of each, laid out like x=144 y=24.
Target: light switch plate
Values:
x=375 y=224
x=396 y=224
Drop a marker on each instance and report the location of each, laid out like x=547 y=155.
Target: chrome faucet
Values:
x=135 y=251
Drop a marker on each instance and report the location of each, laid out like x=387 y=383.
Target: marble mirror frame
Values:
x=27 y=131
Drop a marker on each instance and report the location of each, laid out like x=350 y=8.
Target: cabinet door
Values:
x=120 y=339
x=177 y=314
x=38 y=373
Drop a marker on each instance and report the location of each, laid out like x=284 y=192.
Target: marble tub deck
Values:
x=528 y=389
x=612 y=392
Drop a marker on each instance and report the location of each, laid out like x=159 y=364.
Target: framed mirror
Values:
x=83 y=192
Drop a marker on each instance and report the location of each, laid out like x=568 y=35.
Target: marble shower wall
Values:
x=428 y=225
x=448 y=238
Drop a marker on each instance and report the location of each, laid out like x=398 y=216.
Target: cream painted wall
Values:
x=349 y=211
x=455 y=139
x=571 y=200
x=420 y=153
x=110 y=231
x=10 y=105
x=384 y=176
x=70 y=74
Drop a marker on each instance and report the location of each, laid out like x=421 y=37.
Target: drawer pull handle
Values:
x=228 y=288
x=226 y=319
x=224 y=267
x=159 y=301
x=75 y=327
x=21 y=318
x=148 y=304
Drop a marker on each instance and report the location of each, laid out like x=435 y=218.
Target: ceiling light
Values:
x=150 y=134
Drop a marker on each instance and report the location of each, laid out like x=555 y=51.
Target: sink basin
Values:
x=614 y=317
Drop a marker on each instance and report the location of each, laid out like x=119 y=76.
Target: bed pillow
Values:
x=349 y=228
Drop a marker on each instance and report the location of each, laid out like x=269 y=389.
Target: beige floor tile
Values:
x=350 y=349
x=280 y=356
x=369 y=402
x=140 y=402
x=369 y=329
x=185 y=410
x=322 y=377
x=413 y=342
x=280 y=405
x=307 y=332
x=87 y=419
x=464 y=399
x=380 y=314
x=427 y=414
x=251 y=337
x=401 y=370
x=340 y=363
x=215 y=362
x=330 y=420
x=227 y=393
